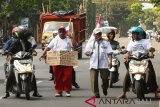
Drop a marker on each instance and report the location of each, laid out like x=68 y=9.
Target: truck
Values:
x=75 y=25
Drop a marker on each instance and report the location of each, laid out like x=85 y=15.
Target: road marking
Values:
x=75 y=66
x=38 y=82
x=159 y=103
x=1 y=97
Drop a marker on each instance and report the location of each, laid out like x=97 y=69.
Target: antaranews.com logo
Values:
x=93 y=101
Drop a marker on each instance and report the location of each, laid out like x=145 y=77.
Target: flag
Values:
x=69 y=33
x=68 y=29
x=98 y=25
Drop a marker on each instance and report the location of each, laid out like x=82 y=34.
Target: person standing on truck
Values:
x=62 y=74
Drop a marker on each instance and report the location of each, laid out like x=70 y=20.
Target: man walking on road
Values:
x=62 y=74
x=99 y=51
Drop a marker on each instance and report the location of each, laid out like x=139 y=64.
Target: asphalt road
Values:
x=79 y=96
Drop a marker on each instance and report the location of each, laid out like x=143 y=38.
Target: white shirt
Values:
x=58 y=44
x=99 y=61
x=139 y=46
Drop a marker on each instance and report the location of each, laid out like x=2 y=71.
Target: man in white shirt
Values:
x=100 y=53
x=62 y=74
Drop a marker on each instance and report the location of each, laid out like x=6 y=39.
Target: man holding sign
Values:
x=63 y=74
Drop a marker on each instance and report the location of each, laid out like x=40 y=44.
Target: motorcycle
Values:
x=114 y=75
x=138 y=71
x=23 y=70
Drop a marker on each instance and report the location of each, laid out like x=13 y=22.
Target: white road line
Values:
x=159 y=103
x=39 y=82
x=1 y=97
x=86 y=62
x=75 y=67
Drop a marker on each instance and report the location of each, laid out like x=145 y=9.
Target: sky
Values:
x=147 y=5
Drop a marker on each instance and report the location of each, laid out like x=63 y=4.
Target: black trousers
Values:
x=73 y=74
x=151 y=82
x=11 y=80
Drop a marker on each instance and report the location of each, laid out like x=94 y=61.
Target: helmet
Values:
x=24 y=34
x=137 y=30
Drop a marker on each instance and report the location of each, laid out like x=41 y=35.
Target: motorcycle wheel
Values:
x=112 y=77
x=139 y=89
x=27 y=90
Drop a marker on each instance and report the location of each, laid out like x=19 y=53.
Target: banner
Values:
x=66 y=58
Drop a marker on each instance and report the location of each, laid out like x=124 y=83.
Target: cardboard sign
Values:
x=66 y=58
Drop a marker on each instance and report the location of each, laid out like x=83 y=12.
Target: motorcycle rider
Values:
x=138 y=43
x=11 y=40
x=30 y=39
x=7 y=45
x=20 y=45
x=115 y=46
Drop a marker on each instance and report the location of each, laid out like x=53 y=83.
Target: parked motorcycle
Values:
x=24 y=72
x=138 y=70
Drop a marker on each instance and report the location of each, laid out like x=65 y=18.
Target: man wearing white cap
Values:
x=100 y=53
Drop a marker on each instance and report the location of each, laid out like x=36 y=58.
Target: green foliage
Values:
x=117 y=15
x=13 y=10
x=152 y=15
x=156 y=2
x=30 y=8
x=132 y=19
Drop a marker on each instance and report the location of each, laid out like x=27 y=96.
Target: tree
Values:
x=156 y=2
x=13 y=10
x=132 y=19
x=152 y=15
